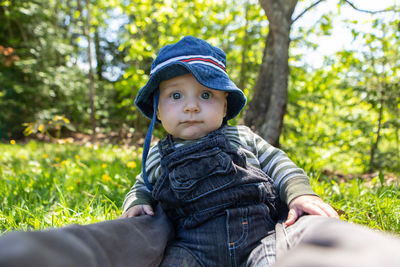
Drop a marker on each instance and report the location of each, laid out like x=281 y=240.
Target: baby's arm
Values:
x=137 y=211
x=309 y=204
x=138 y=200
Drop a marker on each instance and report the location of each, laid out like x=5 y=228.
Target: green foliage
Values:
x=47 y=185
x=55 y=124
x=334 y=116
x=29 y=86
x=46 y=77
x=344 y=116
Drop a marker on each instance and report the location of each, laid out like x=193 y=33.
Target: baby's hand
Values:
x=308 y=204
x=137 y=211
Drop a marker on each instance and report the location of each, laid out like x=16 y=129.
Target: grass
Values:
x=50 y=185
x=372 y=203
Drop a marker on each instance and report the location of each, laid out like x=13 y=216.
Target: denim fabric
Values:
x=221 y=206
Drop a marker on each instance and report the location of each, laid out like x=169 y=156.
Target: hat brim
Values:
x=205 y=75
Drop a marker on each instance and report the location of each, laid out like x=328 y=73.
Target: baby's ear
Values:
x=158 y=114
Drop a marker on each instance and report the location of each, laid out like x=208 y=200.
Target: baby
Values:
x=223 y=187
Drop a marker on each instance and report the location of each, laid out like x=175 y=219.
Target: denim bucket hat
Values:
x=204 y=61
x=190 y=55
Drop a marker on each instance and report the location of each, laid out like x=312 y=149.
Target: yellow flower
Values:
x=44 y=156
x=58 y=159
x=57 y=118
x=63 y=163
x=66 y=120
x=104 y=165
x=41 y=127
x=105 y=178
x=77 y=157
x=12 y=141
x=131 y=164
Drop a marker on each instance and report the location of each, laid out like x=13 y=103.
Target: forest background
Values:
x=341 y=116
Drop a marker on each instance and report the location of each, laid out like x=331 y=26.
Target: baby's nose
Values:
x=192 y=106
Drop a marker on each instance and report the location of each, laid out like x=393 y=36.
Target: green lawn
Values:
x=47 y=185
x=44 y=185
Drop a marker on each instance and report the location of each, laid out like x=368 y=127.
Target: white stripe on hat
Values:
x=207 y=63
x=188 y=57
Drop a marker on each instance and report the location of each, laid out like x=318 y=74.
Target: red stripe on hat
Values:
x=203 y=59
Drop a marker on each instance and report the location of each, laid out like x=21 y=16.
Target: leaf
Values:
x=77 y=14
x=381 y=177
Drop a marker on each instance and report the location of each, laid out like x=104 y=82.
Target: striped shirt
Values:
x=289 y=180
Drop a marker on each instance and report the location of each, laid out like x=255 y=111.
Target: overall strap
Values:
x=166 y=146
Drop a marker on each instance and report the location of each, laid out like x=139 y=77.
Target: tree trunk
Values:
x=375 y=144
x=99 y=56
x=268 y=105
x=86 y=30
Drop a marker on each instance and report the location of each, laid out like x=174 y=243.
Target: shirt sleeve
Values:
x=289 y=180
x=139 y=194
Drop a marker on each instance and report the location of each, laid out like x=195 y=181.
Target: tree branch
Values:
x=349 y=3
x=307 y=9
x=367 y=11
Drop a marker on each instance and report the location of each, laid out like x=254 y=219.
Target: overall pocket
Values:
x=200 y=174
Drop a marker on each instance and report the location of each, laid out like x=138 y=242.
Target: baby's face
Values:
x=189 y=110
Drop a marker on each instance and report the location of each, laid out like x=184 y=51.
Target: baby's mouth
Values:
x=190 y=122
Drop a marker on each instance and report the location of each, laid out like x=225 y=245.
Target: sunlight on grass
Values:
x=50 y=185
x=370 y=203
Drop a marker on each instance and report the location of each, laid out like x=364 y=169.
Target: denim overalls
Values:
x=221 y=206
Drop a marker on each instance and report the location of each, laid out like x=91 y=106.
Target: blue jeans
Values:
x=221 y=206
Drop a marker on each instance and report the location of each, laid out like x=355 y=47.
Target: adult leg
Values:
x=138 y=241
x=326 y=242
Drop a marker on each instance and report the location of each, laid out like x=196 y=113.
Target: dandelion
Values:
x=88 y=145
x=131 y=164
x=58 y=159
x=41 y=128
x=44 y=156
x=77 y=157
x=105 y=178
x=57 y=118
x=78 y=182
x=63 y=163
x=22 y=157
x=104 y=165
x=12 y=141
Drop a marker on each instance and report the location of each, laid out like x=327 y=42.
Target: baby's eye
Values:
x=176 y=96
x=206 y=95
